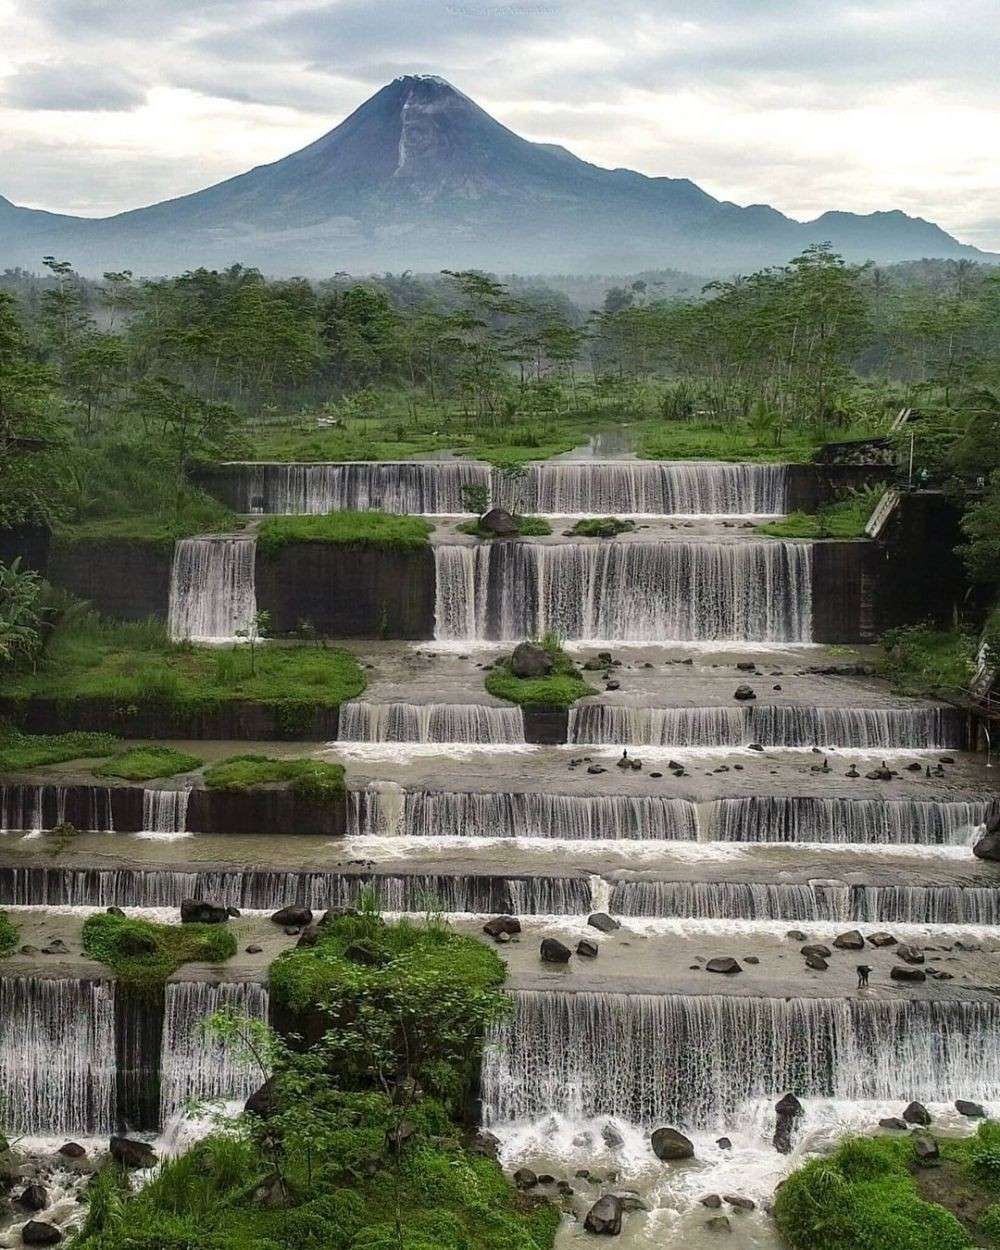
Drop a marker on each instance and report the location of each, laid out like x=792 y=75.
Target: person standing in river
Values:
x=863 y=972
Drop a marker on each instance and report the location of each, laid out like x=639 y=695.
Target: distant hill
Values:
x=420 y=177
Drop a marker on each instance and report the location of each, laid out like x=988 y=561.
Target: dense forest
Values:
x=111 y=391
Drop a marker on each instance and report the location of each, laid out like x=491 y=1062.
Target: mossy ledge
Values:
x=305 y=778
x=144 y=763
x=143 y=954
x=380 y=530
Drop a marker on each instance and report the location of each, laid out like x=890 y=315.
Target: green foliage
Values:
x=379 y=530
x=561 y=688
x=20 y=752
x=845 y=518
x=526 y=526
x=144 y=954
x=8 y=938
x=602 y=527
x=864 y=1198
x=146 y=762
x=307 y=778
x=134 y=663
x=983 y=1155
x=981 y=525
x=920 y=659
x=20 y=614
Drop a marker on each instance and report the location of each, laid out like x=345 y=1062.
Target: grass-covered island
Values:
x=381 y=530
x=358 y=1139
x=520 y=527
x=143 y=954
x=537 y=674
x=146 y=763
x=924 y=1192
x=306 y=778
x=21 y=752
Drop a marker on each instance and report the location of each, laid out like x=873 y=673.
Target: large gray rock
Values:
x=198 y=911
x=40 y=1233
x=604 y=1218
x=601 y=921
x=926 y=1149
x=917 y=1113
x=510 y=925
x=913 y=976
x=723 y=964
x=850 y=941
x=132 y=1154
x=669 y=1145
x=988 y=846
x=555 y=952
x=909 y=953
x=972 y=1110
x=499 y=523
x=293 y=916
x=33 y=1198
x=530 y=660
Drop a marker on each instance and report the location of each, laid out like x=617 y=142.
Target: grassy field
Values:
x=89 y=657
x=364 y=529
x=20 y=752
x=846 y=518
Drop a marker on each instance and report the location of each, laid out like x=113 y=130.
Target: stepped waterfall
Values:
x=30 y=808
x=618 y=591
x=467 y=723
x=212 y=589
x=696 y=1060
x=781 y=818
x=164 y=812
x=431 y=488
x=860 y=728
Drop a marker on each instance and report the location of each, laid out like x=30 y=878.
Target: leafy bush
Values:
x=923 y=659
x=144 y=954
x=312 y=779
x=527 y=527
x=602 y=527
x=20 y=613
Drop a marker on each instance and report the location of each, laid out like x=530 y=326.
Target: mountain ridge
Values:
x=419 y=176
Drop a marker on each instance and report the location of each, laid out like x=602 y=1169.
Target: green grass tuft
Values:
x=307 y=778
x=147 y=762
x=921 y=659
x=143 y=954
x=602 y=527
x=8 y=937
x=527 y=527
x=846 y=518
x=380 y=530
x=561 y=688
x=20 y=752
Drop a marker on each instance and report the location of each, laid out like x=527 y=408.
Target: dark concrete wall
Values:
x=27 y=543
x=123 y=578
x=240 y=721
x=139 y=1017
x=347 y=591
x=546 y=726
x=842 y=591
x=812 y=485
x=276 y=811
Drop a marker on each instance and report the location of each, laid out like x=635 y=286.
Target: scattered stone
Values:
x=294 y=916
x=72 y=1150
x=530 y=660
x=914 y=976
x=40 y=1233
x=850 y=941
x=746 y=666
x=795 y=935
x=603 y=922
x=291 y=930
x=234 y=913
x=909 y=954
x=894 y=1123
x=723 y=964
x=612 y=685
x=510 y=925
x=724 y=1143
x=116 y=911
x=816 y=948
x=595 y=770
x=669 y=1145
x=972 y=1110
x=131 y=1154
x=751 y=959
x=309 y=936
x=816 y=964
x=926 y=1150
x=739 y=1202
x=28 y=949
x=605 y=1217
x=254 y=949
x=554 y=952
x=881 y=939
x=33 y=1198
x=198 y=911
x=56 y=947
x=632 y=1203
x=712 y=1201
x=587 y=948
x=524 y=1178
x=917 y=1113
x=744 y=693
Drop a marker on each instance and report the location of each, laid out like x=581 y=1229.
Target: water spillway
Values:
x=695 y=1060
x=431 y=488
x=212 y=588
x=31 y=808
x=623 y=591
x=467 y=723
x=860 y=728
x=517 y=814
x=796 y=818
x=164 y=812
x=57 y=1055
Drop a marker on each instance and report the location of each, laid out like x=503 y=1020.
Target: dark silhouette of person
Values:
x=863 y=971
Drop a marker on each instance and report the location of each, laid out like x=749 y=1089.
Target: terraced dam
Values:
x=661 y=818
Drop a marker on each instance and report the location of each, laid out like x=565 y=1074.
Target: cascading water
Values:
x=472 y=723
x=164 y=812
x=649 y=488
x=57 y=1055
x=509 y=814
x=695 y=1060
x=824 y=901
x=857 y=728
x=634 y=591
x=212 y=588
x=26 y=808
x=195 y=1065
x=780 y=818
x=430 y=488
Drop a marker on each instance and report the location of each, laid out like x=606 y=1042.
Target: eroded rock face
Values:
x=604 y=1219
x=670 y=1145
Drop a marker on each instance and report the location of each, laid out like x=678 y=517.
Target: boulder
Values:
x=788 y=1105
x=33 y=1198
x=724 y=1143
x=881 y=939
x=909 y=954
x=669 y=1145
x=914 y=976
x=486 y=1144
x=499 y=523
x=739 y=1202
x=309 y=936
x=603 y=922
x=604 y=1218
x=554 y=952
x=39 y=1233
x=970 y=1109
x=744 y=693
x=293 y=916
x=926 y=1149
x=528 y=659
x=894 y=1123
x=502 y=924
x=816 y=963
x=263 y=1101
x=917 y=1113
x=587 y=948
x=199 y=911
x=712 y=1201
x=795 y=935
x=817 y=949
x=524 y=1178
x=719 y=1224
x=131 y=1154
x=988 y=846
x=611 y=1137
x=723 y=964
x=116 y=911
x=72 y=1150
x=850 y=941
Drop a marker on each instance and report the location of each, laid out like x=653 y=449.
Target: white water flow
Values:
x=195 y=1065
x=650 y=488
x=511 y=814
x=57 y=1055
x=696 y=1060
x=625 y=591
x=781 y=818
x=808 y=901
x=778 y=726
x=466 y=723
x=431 y=488
x=26 y=808
x=164 y=813
x=212 y=589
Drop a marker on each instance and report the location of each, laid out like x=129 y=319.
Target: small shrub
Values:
x=8 y=935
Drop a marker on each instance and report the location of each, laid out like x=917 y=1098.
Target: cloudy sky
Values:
x=803 y=104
